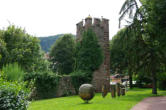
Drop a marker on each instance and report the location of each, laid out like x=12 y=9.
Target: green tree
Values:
x=3 y=51
x=20 y=47
x=149 y=25
x=89 y=52
x=41 y=64
x=123 y=54
x=155 y=38
x=117 y=54
x=62 y=54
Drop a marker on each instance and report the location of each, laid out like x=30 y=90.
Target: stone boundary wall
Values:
x=65 y=87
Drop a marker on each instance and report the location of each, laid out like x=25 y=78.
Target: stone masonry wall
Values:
x=65 y=87
x=101 y=28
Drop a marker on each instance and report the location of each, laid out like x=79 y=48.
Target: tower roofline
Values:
x=105 y=19
x=81 y=22
x=97 y=21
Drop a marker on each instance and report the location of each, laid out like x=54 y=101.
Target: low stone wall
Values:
x=65 y=87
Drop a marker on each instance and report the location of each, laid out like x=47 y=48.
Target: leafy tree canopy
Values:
x=19 y=47
x=148 y=23
x=89 y=52
x=62 y=54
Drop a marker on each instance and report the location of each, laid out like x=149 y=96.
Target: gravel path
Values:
x=152 y=103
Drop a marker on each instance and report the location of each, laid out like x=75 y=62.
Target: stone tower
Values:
x=101 y=28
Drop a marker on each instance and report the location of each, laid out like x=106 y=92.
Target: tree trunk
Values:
x=130 y=79
x=154 y=76
x=154 y=83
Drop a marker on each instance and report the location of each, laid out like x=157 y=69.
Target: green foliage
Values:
x=150 y=28
x=13 y=95
x=47 y=42
x=143 y=80
x=89 y=56
x=162 y=81
x=118 y=62
x=45 y=84
x=13 y=72
x=89 y=53
x=20 y=47
x=62 y=55
x=2 y=48
x=42 y=64
x=80 y=77
x=123 y=53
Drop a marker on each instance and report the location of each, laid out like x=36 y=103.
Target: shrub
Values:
x=45 y=85
x=80 y=77
x=13 y=95
x=13 y=72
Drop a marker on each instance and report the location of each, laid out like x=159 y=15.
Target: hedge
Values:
x=45 y=85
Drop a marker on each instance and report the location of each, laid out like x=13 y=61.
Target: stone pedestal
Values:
x=118 y=89
x=113 y=91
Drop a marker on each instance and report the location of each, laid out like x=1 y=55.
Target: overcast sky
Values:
x=51 y=17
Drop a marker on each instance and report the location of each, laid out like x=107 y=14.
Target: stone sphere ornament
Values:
x=86 y=92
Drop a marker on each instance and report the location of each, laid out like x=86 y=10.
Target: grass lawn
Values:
x=97 y=103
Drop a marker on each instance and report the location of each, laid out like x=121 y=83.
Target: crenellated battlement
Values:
x=89 y=22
